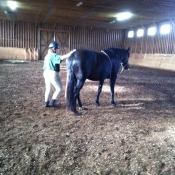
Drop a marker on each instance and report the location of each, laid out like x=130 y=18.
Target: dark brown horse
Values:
x=97 y=66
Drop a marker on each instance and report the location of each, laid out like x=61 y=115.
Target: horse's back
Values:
x=89 y=64
x=81 y=56
x=82 y=62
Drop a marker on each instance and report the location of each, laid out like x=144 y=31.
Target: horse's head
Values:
x=121 y=54
x=124 y=58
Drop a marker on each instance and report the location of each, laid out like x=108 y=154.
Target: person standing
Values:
x=51 y=69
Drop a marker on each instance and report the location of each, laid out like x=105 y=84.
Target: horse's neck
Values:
x=109 y=53
x=112 y=52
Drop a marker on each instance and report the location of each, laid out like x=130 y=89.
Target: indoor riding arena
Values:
x=137 y=137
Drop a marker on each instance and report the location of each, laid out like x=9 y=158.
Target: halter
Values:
x=123 y=67
x=110 y=63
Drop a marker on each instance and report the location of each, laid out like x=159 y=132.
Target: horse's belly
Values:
x=93 y=79
x=96 y=77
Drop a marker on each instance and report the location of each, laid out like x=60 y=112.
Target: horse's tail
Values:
x=71 y=80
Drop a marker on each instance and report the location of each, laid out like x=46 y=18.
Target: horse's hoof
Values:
x=114 y=104
x=73 y=112
x=98 y=104
x=82 y=108
x=76 y=113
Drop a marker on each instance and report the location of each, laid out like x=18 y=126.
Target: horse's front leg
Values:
x=99 y=91
x=112 y=85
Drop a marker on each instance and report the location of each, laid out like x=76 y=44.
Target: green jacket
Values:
x=52 y=62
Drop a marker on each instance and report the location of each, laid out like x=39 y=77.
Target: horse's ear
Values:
x=128 y=49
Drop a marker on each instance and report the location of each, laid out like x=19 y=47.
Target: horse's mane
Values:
x=113 y=51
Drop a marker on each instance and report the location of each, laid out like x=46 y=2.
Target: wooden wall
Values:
x=28 y=35
x=18 y=34
x=157 y=44
x=158 y=61
x=95 y=38
x=36 y=37
x=13 y=53
x=156 y=51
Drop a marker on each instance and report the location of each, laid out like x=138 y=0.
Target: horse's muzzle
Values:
x=126 y=66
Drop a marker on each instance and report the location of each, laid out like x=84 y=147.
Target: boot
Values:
x=47 y=104
x=53 y=104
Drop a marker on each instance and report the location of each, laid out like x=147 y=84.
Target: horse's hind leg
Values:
x=99 y=91
x=77 y=89
x=79 y=102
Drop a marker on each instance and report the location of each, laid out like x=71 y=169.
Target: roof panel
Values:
x=100 y=13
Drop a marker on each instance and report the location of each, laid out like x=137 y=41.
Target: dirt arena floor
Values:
x=136 y=138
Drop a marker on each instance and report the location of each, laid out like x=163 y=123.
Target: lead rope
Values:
x=110 y=64
x=122 y=67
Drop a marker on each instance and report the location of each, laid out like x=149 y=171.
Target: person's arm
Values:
x=62 y=57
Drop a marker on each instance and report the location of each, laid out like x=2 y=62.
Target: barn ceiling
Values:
x=94 y=13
